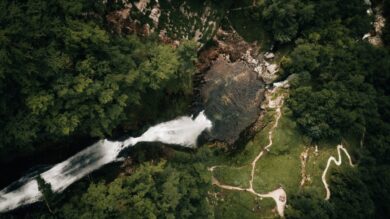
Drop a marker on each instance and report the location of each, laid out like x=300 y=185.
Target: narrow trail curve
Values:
x=278 y=115
x=338 y=163
x=279 y=195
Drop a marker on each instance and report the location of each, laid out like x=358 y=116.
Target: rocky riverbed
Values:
x=235 y=75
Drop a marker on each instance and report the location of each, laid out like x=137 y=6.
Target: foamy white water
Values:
x=182 y=131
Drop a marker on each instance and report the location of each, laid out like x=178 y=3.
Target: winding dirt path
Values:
x=338 y=163
x=279 y=195
x=278 y=115
x=303 y=157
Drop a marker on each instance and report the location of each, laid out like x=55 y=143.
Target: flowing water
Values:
x=183 y=131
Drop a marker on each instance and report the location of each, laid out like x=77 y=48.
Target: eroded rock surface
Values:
x=235 y=74
x=232 y=96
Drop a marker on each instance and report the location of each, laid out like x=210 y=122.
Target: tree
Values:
x=47 y=192
x=63 y=74
x=377 y=179
x=346 y=201
x=152 y=191
x=303 y=59
x=336 y=96
x=305 y=206
x=284 y=18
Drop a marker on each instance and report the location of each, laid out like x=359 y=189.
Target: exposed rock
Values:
x=274 y=103
x=234 y=48
x=206 y=58
x=155 y=15
x=232 y=96
x=375 y=41
x=232 y=44
x=198 y=35
x=272 y=68
x=379 y=23
x=164 y=38
x=233 y=84
x=267 y=71
x=121 y=22
x=119 y=19
x=142 y=4
x=269 y=55
x=374 y=37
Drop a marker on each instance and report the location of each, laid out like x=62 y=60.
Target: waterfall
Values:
x=182 y=131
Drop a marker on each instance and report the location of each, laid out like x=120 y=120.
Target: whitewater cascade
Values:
x=182 y=131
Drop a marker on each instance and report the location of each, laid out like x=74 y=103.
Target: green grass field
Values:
x=250 y=150
x=234 y=176
x=316 y=165
x=254 y=146
x=239 y=205
x=281 y=166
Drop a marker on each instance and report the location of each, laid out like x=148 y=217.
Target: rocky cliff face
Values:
x=233 y=74
x=232 y=96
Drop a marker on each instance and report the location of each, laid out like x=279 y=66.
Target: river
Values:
x=182 y=131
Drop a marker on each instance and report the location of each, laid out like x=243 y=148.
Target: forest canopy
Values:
x=66 y=73
x=342 y=90
x=63 y=73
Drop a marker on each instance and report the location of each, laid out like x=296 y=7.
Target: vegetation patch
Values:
x=239 y=205
x=191 y=19
x=281 y=165
x=248 y=23
x=238 y=176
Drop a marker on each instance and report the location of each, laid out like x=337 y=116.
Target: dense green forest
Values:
x=157 y=190
x=342 y=88
x=65 y=73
